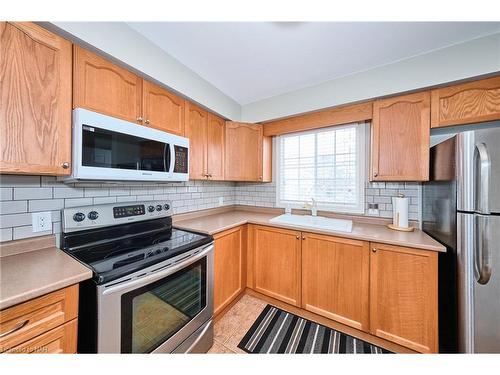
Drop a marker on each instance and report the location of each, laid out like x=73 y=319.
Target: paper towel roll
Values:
x=400 y=211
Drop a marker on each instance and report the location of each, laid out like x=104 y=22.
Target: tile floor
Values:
x=230 y=329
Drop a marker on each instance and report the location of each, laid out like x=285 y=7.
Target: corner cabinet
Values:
x=467 y=103
x=404 y=296
x=335 y=282
x=35 y=100
x=277 y=263
x=229 y=267
x=400 y=138
x=248 y=153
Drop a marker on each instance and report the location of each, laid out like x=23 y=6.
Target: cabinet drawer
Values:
x=56 y=341
x=27 y=320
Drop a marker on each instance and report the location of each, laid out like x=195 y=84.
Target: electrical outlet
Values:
x=221 y=201
x=41 y=221
x=373 y=209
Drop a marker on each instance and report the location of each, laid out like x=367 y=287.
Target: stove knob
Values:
x=166 y=207
x=79 y=216
x=151 y=208
x=93 y=215
x=159 y=207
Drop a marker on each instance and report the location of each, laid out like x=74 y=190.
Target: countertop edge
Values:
x=46 y=289
x=439 y=248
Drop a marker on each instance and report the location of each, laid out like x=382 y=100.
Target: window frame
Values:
x=361 y=151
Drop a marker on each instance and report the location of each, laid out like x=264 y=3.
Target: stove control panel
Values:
x=126 y=211
x=87 y=217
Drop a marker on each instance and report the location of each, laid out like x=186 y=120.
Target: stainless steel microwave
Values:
x=109 y=149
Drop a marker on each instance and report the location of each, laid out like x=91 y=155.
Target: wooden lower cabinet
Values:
x=62 y=339
x=229 y=266
x=335 y=279
x=277 y=263
x=46 y=324
x=404 y=296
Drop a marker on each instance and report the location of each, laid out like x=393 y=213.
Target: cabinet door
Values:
x=243 y=151
x=215 y=147
x=400 y=138
x=404 y=296
x=60 y=340
x=35 y=100
x=161 y=109
x=101 y=86
x=277 y=262
x=196 y=131
x=468 y=103
x=228 y=267
x=335 y=279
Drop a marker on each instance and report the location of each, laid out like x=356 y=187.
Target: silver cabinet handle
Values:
x=139 y=119
x=65 y=165
x=15 y=329
x=146 y=122
x=483 y=183
x=482 y=254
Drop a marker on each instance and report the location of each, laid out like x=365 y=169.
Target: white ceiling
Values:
x=250 y=61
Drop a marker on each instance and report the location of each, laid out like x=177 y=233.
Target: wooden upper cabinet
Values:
x=101 y=86
x=277 y=263
x=400 y=138
x=162 y=109
x=216 y=134
x=335 y=279
x=248 y=153
x=229 y=267
x=35 y=100
x=404 y=296
x=196 y=131
x=468 y=103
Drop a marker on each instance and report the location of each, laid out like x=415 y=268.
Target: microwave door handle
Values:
x=166 y=150
x=172 y=158
x=482 y=179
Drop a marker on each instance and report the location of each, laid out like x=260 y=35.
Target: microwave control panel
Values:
x=181 y=159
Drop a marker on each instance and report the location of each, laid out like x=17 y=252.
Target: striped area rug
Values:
x=277 y=331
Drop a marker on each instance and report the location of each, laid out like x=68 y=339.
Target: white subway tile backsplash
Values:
x=32 y=193
x=45 y=205
x=46 y=193
x=68 y=192
x=26 y=232
x=7 y=180
x=75 y=202
x=6 y=194
x=5 y=234
x=13 y=207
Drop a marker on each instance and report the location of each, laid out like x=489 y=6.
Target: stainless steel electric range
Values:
x=152 y=289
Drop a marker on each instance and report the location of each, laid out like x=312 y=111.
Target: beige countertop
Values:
x=218 y=222
x=34 y=267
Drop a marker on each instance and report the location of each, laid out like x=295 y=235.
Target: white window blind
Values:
x=325 y=164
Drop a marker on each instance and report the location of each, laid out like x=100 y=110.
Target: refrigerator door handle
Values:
x=482 y=178
x=482 y=254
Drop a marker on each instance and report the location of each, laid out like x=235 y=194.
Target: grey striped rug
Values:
x=277 y=331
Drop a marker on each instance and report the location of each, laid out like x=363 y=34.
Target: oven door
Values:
x=158 y=311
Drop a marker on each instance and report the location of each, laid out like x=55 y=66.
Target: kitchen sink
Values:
x=314 y=222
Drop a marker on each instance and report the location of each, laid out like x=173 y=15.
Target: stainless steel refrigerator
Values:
x=461 y=209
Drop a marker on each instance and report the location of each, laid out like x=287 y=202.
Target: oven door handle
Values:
x=156 y=274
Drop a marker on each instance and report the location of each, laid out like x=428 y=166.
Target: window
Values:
x=325 y=164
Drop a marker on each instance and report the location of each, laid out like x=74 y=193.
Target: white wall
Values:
x=474 y=58
x=127 y=45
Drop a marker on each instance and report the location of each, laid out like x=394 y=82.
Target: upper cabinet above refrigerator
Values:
x=467 y=103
